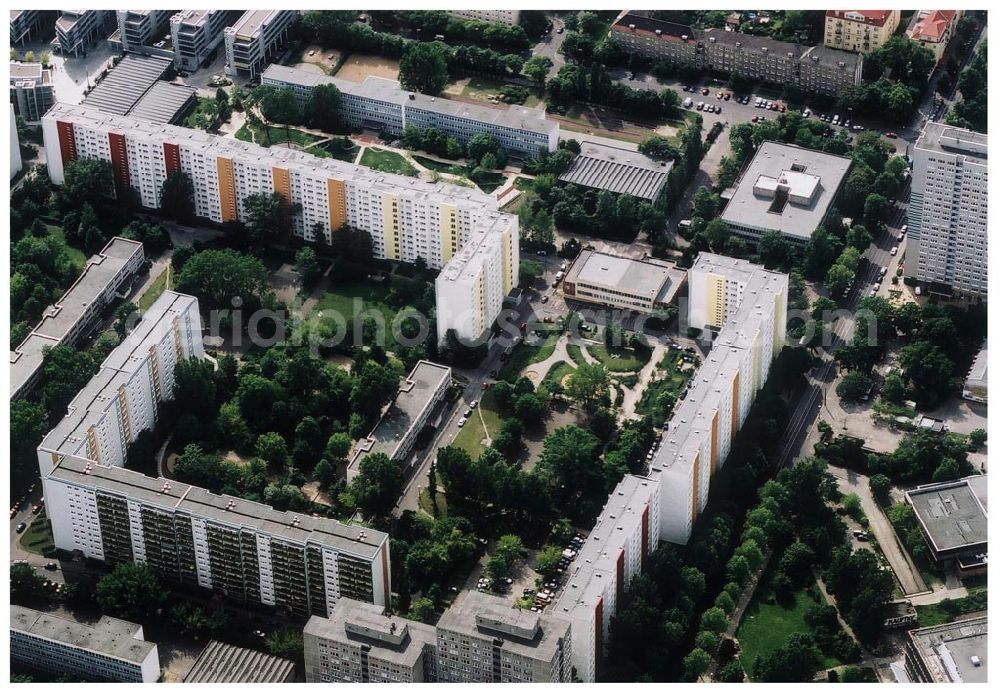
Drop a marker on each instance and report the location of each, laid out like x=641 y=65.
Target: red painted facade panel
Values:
x=171 y=157
x=385 y=578
x=119 y=160
x=645 y=535
x=67 y=141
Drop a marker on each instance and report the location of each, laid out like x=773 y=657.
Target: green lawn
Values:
x=558 y=372
x=336 y=151
x=339 y=299
x=670 y=381
x=627 y=360
x=440 y=166
x=160 y=284
x=200 y=113
x=765 y=627
x=37 y=538
x=472 y=436
x=488 y=181
x=387 y=162
x=76 y=255
x=951 y=609
x=480 y=87
x=575 y=353
x=269 y=135
x=425 y=503
x=525 y=354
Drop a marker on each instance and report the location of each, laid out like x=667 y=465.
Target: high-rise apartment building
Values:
x=747 y=306
x=255 y=38
x=138 y=28
x=31 y=90
x=859 y=31
x=814 y=69
x=382 y=104
x=195 y=34
x=110 y=650
x=78 y=30
x=946 y=245
x=452 y=228
x=15 y=146
x=241 y=550
x=122 y=399
x=627 y=530
x=76 y=312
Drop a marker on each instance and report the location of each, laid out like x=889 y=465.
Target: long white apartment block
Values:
x=946 y=246
x=241 y=550
x=110 y=650
x=255 y=38
x=406 y=218
x=195 y=34
x=382 y=104
x=747 y=305
x=627 y=530
x=73 y=314
x=122 y=399
x=509 y=17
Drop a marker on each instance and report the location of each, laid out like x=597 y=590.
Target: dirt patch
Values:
x=320 y=60
x=357 y=67
x=235 y=458
x=314 y=493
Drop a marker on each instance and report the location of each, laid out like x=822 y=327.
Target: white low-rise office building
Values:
x=382 y=104
x=31 y=90
x=110 y=650
x=77 y=311
x=195 y=35
x=644 y=285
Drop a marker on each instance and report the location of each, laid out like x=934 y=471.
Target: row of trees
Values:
x=320 y=111
x=574 y=83
x=970 y=111
x=430 y=23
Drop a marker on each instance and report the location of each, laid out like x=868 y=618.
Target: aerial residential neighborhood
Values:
x=506 y=345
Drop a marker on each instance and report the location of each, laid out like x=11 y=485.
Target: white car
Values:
x=806 y=113
x=883 y=270
x=902 y=231
x=894 y=251
x=461 y=422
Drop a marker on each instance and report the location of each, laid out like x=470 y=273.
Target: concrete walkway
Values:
x=899 y=559
x=536 y=372
x=632 y=395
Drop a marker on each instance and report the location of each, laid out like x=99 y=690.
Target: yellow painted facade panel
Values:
x=449 y=232
x=390 y=226
x=227 y=189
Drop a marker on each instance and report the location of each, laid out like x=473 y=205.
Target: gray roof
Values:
x=747 y=208
x=358 y=624
x=483 y=616
x=413 y=397
x=25 y=70
x=390 y=91
x=126 y=83
x=163 y=102
x=954 y=140
x=618 y=170
x=951 y=513
x=979 y=366
x=654 y=280
x=109 y=636
x=948 y=650
x=221 y=662
x=174 y=496
x=251 y=21
x=59 y=319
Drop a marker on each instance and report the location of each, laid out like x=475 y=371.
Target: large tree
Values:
x=322 y=109
x=216 y=277
x=588 y=385
x=424 y=67
x=131 y=592
x=267 y=214
x=177 y=196
x=85 y=181
x=65 y=371
x=377 y=486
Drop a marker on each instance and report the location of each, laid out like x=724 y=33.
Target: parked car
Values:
x=51 y=566
x=705 y=91
x=891 y=135
x=21 y=527
x=894 y=250
x=545 y=299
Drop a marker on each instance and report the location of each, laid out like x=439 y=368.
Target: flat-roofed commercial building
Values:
x=241 y=550
x=122 y=399
x=396 y=431
x=747 y=306
x=31 y=90
x=624 y=172
x=255 y=38
x=953 y=518
x=76 y=312
x=358 y=642
x=452 y=228
x=509 y=17
x=645 y=285
x=26 y=24
x=78 y=30
x=977 y=381
x=481 y=638
x=140 y=28
x=135 y=87
x=953 y=652
x=382 y=104
x=225 y=663
x=626 y=532
x=110 y=650
x=859 y=31
x=785 y=188
x=946 y=246
x=934 y=29
x=195 y=34
x=815 y=69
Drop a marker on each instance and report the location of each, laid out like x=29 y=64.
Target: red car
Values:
x=891 y=135
x=704 y=92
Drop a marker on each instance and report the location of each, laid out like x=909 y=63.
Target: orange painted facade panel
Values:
x=714 y=461
x=337 y=198
x=227 y=189
x=694 y=488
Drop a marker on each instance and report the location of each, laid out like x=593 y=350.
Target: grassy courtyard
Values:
x=525 y=354
x=160 y=284
x=387 y=162
x=472 y=437
x=335 y=149
x=76 y=255
x=658 y=399
x=270 y=135
x=37 y=538
x=557 y=373
x=339 y=299
x=618 y=359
